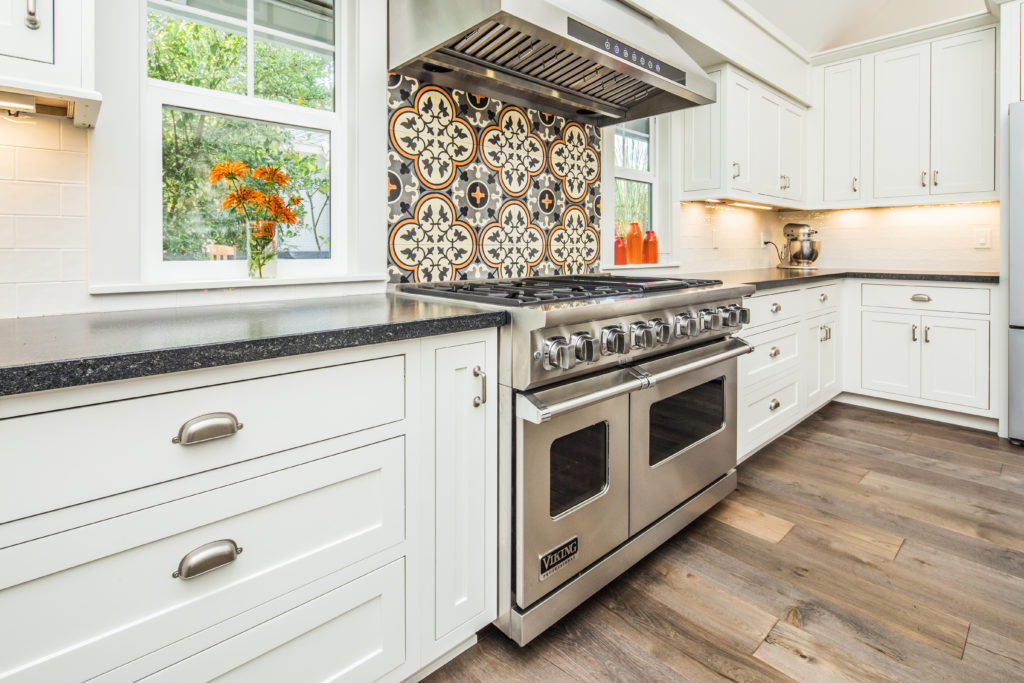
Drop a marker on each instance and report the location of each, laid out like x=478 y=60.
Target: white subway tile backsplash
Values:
x=32 y=232
x=50 y=166
x=73 y=139
x=22 y=198
x=6 y=163
x=74 y=200
x=8 y=301
x=41 y=132
x=74 y=265
x=18 y=265
x=6 y=232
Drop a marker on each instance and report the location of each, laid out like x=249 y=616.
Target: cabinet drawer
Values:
x=772 y=307
x=353 y=633
x=53 y=460
x=927 y=298
x=822 y=298
x=768 y=411
x=774 y=351
x=96 y=605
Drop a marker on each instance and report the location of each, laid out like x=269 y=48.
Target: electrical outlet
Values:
x=982 y=237
x=714 y=238
x=764 y=238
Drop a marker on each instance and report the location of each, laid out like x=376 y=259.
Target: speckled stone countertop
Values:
x=37 y=354
x=769 y=278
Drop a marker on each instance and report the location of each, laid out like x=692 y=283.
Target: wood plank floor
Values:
x=860 y=546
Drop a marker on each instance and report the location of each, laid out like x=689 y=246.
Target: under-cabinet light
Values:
x=15 y=103
x=752 y=206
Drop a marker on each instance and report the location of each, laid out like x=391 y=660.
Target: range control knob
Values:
x=585 y=347
x=687 y=325
x=558 y=354
x=710 y=320
x=641 y=335
x=613 y=341
x=662 y=331
x=730 y=316
x=744 y=313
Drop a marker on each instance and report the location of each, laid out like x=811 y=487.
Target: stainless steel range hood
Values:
x=591 y=60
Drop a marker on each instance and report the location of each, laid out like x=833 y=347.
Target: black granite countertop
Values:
x=770 y=278
x=37 y=354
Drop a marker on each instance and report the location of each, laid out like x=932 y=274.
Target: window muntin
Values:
x=633 y=202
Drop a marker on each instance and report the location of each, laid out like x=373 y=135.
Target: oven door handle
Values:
x=737 y=347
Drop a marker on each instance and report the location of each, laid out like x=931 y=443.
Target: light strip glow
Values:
x=751 y=206
x=14 y=102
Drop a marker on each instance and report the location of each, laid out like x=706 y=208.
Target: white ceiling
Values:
x=819 y=25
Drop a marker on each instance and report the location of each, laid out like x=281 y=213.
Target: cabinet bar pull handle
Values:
x=30 y=15
x=854 y=184
x=924 y=178
x=927 y=329
x=782 y=182
x=920 y=297
x=913 y=333
x=774 y=405
x=482 y=398
x=935 y=178
x=774 y=353
x=206 y=558
x=776 y=307
x=823 y=337
x=206 y=428
x=736 y=166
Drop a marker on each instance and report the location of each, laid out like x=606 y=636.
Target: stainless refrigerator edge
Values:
x=1016 y=272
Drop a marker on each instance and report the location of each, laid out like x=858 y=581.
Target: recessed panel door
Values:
x=26 y=29
x=902 y=131
x=891 y=353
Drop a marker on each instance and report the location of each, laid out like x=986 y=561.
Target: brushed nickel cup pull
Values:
x=206 y=428
x=737 y=167
x=206 y=558
x=920 y=297
x=776 y=307
x=482 y=398
x=774 y=405
x=823 y=297
x=30 y=15
x=774 y=353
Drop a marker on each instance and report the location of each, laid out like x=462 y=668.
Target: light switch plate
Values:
x=982 y=237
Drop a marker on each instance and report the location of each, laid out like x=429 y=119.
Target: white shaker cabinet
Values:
x=963 y=113
x=791 y=154
x=739 y=122
x=842 y=131
x=955 y=361
x=822 y=362
x=902 y=135
x=767 y=143
x=26 y=29
x=891 y=353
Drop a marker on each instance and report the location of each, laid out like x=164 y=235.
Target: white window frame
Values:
x=126 y=222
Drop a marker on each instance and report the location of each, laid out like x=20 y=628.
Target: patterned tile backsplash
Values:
x=478 y=189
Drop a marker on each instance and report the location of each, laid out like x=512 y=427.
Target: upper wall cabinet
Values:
x=748 y=145
x=46 y=54
x=935 y=117
x=841 y=123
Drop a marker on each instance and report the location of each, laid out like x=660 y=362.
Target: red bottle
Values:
x=634 y=244
x=620 y=250
x=650 y=250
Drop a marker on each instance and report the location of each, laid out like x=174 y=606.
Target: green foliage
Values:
x=192 y=142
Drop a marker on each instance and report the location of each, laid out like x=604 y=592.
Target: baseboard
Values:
x=442 y=660
x=988 y=424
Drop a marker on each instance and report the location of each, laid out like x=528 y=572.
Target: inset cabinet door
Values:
x=902 y=111
x=740 y=101
x=702 y=144
x=891 y=353
x=955 y=361
x=791 y=151
x=841 y=112
x=462 y=476
x=963 y=113
x=767 y=122
x=821 y=367
x=26 y=32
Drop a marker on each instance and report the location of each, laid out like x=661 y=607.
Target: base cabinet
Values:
x=822 y=362
x=891 y=353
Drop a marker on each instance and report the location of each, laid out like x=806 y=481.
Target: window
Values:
x=634 y=174
x=238 y=80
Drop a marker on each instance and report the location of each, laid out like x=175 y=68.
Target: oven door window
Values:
x=579 y=467
x=681 y=420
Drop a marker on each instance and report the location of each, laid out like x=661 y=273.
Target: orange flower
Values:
x=276 y=207
x=271 y=175
x=294 y=200
x=228 y=170
x=243 y=195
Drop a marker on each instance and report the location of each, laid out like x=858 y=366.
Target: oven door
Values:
x=572 y=479
x=683 y=429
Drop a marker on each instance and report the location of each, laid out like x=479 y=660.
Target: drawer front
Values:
x=767 y=412
x=774 y=351
x=823 y=298
x=353 y=633
x=927 y=298
x=53 y=460
x=294 y=526
x=773 y=307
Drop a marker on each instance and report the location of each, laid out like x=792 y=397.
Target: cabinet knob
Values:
x=823 y=297
x=30 y=15
x=774 y=405
x=482 y=398
x=206 y=428
x=776 y=307
x=206 y=558
x=774 y=353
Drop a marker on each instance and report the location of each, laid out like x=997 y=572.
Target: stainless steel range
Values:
x=618 y=426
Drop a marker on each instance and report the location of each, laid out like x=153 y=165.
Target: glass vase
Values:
x=262 y=242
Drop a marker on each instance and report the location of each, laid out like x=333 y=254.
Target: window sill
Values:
x=637 y=266
x=131 y=288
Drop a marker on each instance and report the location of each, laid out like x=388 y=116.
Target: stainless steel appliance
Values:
x=579 y=58
x=1016 y=332
x=618 y=411
x=801 y=249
